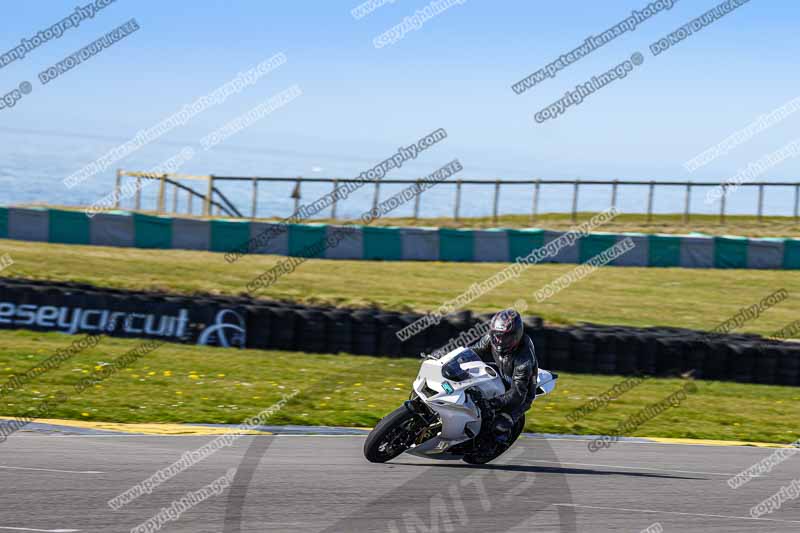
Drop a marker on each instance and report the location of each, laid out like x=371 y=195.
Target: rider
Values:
x=511 y=350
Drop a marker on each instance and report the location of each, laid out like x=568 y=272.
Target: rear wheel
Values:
x=393 y=435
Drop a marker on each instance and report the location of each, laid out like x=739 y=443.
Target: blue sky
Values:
x=455 y=72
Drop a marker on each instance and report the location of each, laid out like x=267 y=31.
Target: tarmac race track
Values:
x=322 y=483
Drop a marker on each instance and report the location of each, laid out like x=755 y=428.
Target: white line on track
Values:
x=577 y=438
x=651 y=511
x=50 y=470
x=40 y=530
x=632 y=468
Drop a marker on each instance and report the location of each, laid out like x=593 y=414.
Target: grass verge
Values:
x=743 y=225
x=747 y=226
x=690 y=298
x=184 y=383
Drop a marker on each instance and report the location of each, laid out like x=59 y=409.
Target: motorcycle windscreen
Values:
x=452 y=369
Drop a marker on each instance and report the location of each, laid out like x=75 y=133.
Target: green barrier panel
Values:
x=791 y=254
x=730 y=252
x=227 y=235
x=382 y=243
x=521 y=242
x=307 y=240
x=3 y=223
x=593 y=244
x=69 y=227
x=455 y=245
x=152 y=232
x=664 y=251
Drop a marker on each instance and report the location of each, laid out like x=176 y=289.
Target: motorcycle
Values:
x=445 y=417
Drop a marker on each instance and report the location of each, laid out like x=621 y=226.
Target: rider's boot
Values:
x=503 y=426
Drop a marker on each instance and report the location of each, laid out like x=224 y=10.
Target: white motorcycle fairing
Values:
x=442 y=385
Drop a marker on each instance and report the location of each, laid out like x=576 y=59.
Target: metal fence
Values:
x=212 y=199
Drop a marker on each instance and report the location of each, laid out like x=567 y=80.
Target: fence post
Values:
x=650 y=201
x=797 y=203
x=375 y=196
x=760 y=202
x=333 y=195
x=162 y=192
x=416 y=199
x=175 y=198
x=575 y=188
x=687 y=203
x=138 y=193
x=189 y=202
x=207 y=203
x=117 y=188
x=254 y=207
x=496 y=200
x=722 y=203
x=458 y=199
x=614 y=193
x=297 y=194
x=535 y=208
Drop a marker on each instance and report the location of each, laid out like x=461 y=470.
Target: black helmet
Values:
x=506 y=332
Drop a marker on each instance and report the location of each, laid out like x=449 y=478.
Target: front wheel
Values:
x=393 y=435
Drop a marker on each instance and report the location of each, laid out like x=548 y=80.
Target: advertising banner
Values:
x=195 y=321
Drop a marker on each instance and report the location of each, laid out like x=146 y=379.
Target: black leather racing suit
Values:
x=520 y=372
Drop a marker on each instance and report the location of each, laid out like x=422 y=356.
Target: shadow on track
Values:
x=548 y=470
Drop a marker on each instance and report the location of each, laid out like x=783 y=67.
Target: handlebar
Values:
x=481 y=402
